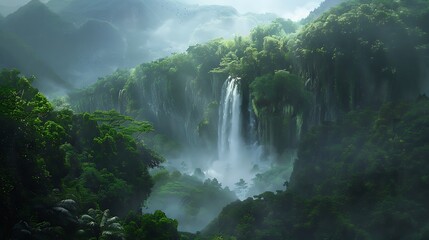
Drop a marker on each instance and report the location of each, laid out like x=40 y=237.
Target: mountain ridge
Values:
x=142 y=31
x=324 y=6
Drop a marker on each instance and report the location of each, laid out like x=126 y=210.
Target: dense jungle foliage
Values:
x=55 y=165
x=361 y=173
x=360 y=54
x=193 y=199
x=347 y=90
x=186 y=87
x=369 y=180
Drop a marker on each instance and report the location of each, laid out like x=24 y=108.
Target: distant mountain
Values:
x=1 y=18
x=157 y=28
x=76 y=54
x=33 y=40
x=58 y=5
x=98 y=48
x=82 y=40
x=14 y=53
x=324 y=7
x=6 y=9
x=35 y=17
x=139 y=13
x=41 y=29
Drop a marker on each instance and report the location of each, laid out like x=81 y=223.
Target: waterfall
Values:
x=121 y=101
x=229 y=134
x=236 y=159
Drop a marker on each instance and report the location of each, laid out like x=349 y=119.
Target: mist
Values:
x=186 y=119
x=289 y=9
x=9 y=6
x=77 y=42
x=205 y=176
x=131 y=35
x=84 y=40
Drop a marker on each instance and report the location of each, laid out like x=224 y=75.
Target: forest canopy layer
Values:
x=346 y=92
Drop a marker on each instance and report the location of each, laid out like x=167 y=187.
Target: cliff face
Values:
x=356 y=56
x=361 y=55
x=168 y=93
x=183 y=108
x=364 y=64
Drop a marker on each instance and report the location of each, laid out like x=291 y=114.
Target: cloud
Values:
x=301 y=11
x=9 y=6
x=17 y=3
x=293 y=9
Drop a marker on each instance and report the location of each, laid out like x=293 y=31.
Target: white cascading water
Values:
x=236 y=160
x=121 y=101
x=230 y=142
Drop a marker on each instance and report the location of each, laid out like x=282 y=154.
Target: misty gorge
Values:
x=210 y=120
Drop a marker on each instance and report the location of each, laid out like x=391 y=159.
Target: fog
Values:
x=289 y=9
x=202 y=180
x=221 y=114
x=9 y=6
x=78 y=41
x=292 y=9
x=68 y=45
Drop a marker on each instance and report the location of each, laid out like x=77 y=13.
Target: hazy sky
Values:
x=293 y=9
x=16 y=2
x=10 y=6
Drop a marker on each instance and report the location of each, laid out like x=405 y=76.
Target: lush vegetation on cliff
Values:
x=363 y=177
x=85 y=176
x=185 y=87
x=346 y=90
x=360 y=54
x=361 y=173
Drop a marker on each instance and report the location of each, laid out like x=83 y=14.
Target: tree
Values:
x=151 y=226
x=100 y=225
x=241 y=186
x=23 y=169
x=121 y=123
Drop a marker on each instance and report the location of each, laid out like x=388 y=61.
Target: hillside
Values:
x=360 y=173
x=155 y=29
x=14 y=53
x=45 y=35
x=145 y=14
x=320 y=131
x=6 y=9
x=74 y=53
x=346 y=91
x=342 y=65
x=324 y=7
x=368 y=181
x=40 y=29
x=82 y=40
